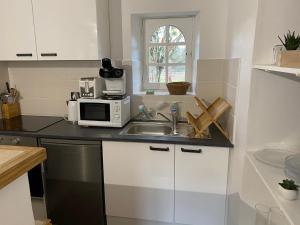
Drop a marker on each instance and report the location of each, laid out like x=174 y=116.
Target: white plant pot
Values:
x=288 y=194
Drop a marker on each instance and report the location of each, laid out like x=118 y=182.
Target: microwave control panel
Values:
x=116 y=111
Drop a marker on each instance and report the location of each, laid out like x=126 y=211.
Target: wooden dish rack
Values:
x=210 y=115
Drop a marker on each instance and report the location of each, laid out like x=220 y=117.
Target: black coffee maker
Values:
x=115 y=80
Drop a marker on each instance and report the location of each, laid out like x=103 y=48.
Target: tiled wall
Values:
x=45 y=86
x=230 y=93
x=3 y=78
x=220 y=77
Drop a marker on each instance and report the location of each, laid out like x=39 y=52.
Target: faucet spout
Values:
x=174 y=113
x=161 y=114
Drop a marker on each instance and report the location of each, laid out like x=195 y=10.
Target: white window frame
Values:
x=185 y=25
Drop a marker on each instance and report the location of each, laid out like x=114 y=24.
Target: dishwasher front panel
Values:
x=74 y=182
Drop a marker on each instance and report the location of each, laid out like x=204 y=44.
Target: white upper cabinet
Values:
x=70 y=29
x=54 y=29
x=17 y=40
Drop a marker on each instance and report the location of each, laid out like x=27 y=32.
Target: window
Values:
x=168 y=52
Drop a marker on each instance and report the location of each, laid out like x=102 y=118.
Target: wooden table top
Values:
x=18 y=160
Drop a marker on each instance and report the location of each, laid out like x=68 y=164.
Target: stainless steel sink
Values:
x=157 y=129
x=152 y=129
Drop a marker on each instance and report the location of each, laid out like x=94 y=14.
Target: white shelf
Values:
x=271 y=176
x=272 y=68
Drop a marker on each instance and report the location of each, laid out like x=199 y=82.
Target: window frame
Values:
x=185 y=26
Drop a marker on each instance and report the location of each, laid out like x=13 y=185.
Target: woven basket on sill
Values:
x=178 y=88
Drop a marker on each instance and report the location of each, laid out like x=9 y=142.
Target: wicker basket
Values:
x=178 y=88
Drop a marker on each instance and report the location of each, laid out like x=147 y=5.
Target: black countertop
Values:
x=66 y=130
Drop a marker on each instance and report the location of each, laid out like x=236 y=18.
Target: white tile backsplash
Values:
x=3 y=78
x=46 y=86
x=210 y=70
x=209 y=90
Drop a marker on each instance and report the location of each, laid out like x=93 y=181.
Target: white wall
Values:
x=115 y=18
x=45 y=86
x=212 y=22
x=274 y=112
x=275 y=18
x=240 y=42
x=253 y=27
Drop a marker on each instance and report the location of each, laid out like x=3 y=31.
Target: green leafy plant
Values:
x=289 y=185
x=291 y=41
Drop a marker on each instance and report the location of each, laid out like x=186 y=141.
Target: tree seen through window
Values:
x=167 y=55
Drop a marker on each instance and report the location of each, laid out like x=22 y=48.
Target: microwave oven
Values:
x=103 y=113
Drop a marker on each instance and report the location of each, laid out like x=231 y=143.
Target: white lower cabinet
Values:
x=160 y=184
x=139 y=181
x=200 y=185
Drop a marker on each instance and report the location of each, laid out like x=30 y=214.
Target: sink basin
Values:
x=158 y=129
x=152 y=129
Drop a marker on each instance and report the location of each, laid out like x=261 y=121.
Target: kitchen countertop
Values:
x=16 y=161
x=66 y=130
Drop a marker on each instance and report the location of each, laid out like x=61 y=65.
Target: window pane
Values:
x=177 y=53
x=176 y=73
x=157 y=74
x=157 y=54
x=175 y=35
x=159 y=36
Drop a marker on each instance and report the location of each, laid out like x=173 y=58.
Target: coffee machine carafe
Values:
x=115 y=80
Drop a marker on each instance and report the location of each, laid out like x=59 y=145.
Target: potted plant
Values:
x=290 y=57
x=291 y=41
x=288 y=189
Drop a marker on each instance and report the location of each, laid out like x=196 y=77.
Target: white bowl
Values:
x=288 y=194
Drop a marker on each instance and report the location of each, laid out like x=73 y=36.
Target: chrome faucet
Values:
x=150 y=115
x=174 y=113
x=164 y=116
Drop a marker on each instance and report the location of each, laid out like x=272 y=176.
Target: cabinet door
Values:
x=200 y=185
x=66 y=29
x=17 y=40
x=139 y=180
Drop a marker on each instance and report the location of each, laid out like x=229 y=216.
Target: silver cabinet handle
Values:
x=48 y=54
x=24 y=54
x=191 y=150
x=159 y=149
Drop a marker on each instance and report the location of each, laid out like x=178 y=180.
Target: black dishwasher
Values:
x=74 y=187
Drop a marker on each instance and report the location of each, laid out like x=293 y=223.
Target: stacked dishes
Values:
x=292 y=167
x=273 y=157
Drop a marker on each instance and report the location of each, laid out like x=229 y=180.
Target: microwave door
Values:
x=95 y=112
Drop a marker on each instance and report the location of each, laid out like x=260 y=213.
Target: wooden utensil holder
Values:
x=210 y=115
x=10 y=110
